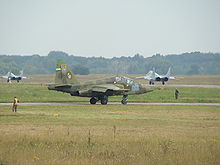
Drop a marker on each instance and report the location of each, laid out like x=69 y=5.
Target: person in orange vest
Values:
x=15 y=105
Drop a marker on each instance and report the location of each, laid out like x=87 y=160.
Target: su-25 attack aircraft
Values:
x=10 y=76
x=99 y=89
x=153 y=76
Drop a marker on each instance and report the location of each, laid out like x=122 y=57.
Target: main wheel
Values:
x=104 y=100
x=93 y=100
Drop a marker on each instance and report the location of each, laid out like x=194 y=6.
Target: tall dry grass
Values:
x=157 y=135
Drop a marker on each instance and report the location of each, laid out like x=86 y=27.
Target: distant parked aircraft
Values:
x=153 y=76
x=10 y=76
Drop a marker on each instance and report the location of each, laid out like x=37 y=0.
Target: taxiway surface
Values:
x=115 y=103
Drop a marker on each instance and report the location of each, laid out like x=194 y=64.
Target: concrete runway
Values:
x=114 y=103
x=188 y=86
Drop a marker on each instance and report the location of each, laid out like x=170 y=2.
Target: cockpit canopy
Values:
x=124 y=80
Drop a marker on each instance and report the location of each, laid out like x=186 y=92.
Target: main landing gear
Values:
x=151 y=82
x=103 y=99
x=93 y=100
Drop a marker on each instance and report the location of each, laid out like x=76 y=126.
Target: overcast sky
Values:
x=109 y=28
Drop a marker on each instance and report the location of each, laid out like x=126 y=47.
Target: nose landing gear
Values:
x=124 y=99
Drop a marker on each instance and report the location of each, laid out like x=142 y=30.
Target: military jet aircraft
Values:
x=10 y=76
x=98 y=90
x=153 y=76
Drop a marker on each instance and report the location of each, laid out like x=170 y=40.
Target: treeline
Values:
x=185 y=64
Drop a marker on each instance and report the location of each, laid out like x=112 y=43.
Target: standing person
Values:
x=176 y=94
x=15 y=104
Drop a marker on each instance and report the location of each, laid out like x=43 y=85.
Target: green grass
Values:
x=111 y=134
x=37 y=93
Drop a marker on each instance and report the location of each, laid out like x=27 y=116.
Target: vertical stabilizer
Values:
x=64 y=75
x=8 y=74
x=168 y=72
x=21 y=73
x=154 y=74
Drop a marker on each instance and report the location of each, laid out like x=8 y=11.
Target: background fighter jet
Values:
x=153 y=76
x=10 y=76
x=98 y=89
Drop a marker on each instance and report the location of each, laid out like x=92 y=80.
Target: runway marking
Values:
x=115 y=103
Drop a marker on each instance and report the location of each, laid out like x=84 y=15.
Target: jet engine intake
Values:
x=164 y=79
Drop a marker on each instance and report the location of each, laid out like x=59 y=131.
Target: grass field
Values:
x=111 y=134
x=37 y=93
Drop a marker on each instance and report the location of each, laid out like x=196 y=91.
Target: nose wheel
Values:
x=124 y=99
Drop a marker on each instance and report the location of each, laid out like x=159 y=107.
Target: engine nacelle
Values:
x=165 y=79
x=158 y=79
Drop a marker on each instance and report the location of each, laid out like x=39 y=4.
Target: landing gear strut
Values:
x=124 y=99
x=104 y=100
x=151 y=82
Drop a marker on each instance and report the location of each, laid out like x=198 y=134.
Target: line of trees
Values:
x=185 y=64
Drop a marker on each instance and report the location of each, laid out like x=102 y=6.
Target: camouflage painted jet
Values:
x=98 y=90
x=10 y=76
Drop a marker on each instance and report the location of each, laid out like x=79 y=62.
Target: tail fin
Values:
x=21 y=73
x=64 y=75
x=168 y=72
x=8 y=74
x=153 y=73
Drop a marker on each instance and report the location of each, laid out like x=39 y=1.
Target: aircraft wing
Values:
x=142 y=77
x=104 y=87
x=147 y=77
x=172 y=78
x=63 y=86
x=4 y=76
x=157 y=75
x=12 y=75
